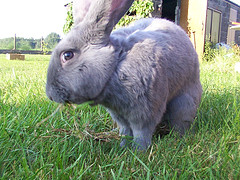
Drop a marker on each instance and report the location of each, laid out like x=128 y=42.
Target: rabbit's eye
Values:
x=67 y=56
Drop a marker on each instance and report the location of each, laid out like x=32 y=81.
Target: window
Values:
x=213 y=26
x=231 y=32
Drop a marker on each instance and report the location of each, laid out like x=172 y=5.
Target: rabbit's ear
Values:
x=118 y=9
x=101 y=15
x=80 y=9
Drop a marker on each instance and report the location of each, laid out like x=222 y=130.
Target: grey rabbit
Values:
x=143 y=74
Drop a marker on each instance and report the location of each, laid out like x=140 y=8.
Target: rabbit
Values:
x=142 y=74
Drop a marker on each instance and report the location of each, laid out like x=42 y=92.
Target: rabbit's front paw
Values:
x=142 y=138
x=126 y=141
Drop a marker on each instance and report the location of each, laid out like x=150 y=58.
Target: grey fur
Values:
x=143 y=74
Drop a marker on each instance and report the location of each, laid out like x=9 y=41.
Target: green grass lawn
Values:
x=67 y=145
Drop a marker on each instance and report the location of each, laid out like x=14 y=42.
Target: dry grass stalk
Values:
x=85 y=134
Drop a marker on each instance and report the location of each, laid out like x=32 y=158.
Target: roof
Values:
x=235 y=27
x=231 y=2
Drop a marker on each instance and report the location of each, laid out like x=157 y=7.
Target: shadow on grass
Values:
x=218 y=110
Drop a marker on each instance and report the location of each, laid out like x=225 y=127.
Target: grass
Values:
x=61 y=147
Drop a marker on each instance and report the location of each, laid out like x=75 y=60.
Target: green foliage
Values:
x=33 y=44
x=6 y=43
x=45 y=47
x=22 y=43
x=30 y=44
x=52 y=40
x=236 y=49
x=139 y=9
x=69 y=20
x=209 y=51
x=64 y=146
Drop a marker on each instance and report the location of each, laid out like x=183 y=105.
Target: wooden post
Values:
x=42 y=44
x=15 y=42
x=193 y=21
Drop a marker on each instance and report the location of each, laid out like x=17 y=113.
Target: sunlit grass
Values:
x=60 y=147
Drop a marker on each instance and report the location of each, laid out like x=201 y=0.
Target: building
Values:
x=202 y=19
x=220 y=15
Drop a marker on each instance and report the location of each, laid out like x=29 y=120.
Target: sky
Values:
x=34 y=18
x=236 y=1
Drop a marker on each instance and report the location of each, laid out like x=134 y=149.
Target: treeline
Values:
x=30 y=43
x=21 y=43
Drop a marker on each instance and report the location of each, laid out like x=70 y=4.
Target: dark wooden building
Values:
x=202 y=19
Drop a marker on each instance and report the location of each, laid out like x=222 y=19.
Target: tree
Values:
x=22 y=43
x=139 y=9
x=32 y=43
x=52 y=40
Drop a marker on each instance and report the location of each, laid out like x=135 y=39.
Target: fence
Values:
x=10 y=51
x=15 y=51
